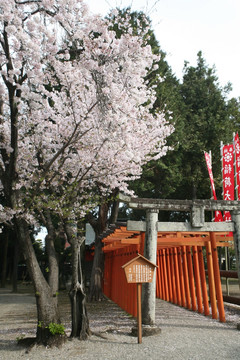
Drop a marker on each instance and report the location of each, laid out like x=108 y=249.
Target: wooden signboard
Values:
x=139 y=270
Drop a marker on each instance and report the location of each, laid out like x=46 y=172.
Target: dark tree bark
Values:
x=100 y=225
x=15 y=266
x=114 y=212
x=47 y=310
x=80 y=322
x=97 y=271
x=4 y=258
x=53 y=275
x=46 y=300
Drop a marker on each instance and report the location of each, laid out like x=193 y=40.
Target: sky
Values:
x=184 y=27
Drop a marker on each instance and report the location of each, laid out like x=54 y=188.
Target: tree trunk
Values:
x=114 y=211
x=4 y=259
x=97 y=271
x=99 y=225
x=80 y=322
x=47 y=310
x=53 y=275
x=15 y=266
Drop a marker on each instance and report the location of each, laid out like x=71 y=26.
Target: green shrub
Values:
x=56 y=329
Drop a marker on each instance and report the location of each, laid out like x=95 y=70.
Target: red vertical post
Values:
x=165 y=275
x=111 y=273
x=179 y=300
x=113 y=284
x=169 y=275
x=118 y=288
x=186 y=279
x=173 y=276
x=211 y=283
x=217 y=278
x=116 y=266
x=106 y=275
x=129 y=290
x=183 y=302
x=121 y=293
x=157 y=286
x=191 y=278
x=162 y=276
x=159 y=275
x=126 y=298
x=197 y=279
x=203 y=281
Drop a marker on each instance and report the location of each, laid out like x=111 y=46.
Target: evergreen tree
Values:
x=203 y=116
x=208 y=121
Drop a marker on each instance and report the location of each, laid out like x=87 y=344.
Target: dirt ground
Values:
x=184 y=334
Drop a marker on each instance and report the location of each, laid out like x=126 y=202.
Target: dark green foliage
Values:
x=208 y=121
x=203 y=116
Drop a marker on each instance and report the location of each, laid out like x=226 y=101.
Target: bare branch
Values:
x=27 y=2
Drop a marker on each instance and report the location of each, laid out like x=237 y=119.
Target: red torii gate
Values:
x=182 y=254
x=180 y=276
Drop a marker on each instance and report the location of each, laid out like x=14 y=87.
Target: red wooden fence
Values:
x=180 y=277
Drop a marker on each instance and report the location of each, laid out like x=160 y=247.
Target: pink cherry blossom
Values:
x=71 y=121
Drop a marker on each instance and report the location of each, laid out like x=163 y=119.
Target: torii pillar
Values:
x=150 y=252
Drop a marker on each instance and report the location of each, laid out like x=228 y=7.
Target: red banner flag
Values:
x=209 y=167
x=237 y=163
x=218 y=214
x=228 y=176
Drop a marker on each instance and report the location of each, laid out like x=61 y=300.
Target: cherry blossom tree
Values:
x=75 y=114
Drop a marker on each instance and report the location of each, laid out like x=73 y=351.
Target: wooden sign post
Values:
x=139 y=312
x=139 y=270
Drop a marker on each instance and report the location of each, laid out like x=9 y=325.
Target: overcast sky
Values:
x=183 y=27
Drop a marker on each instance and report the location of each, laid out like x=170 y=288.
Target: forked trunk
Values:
x=80 y=322
x=47 y=309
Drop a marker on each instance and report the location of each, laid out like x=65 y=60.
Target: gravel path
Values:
x=184 y=334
